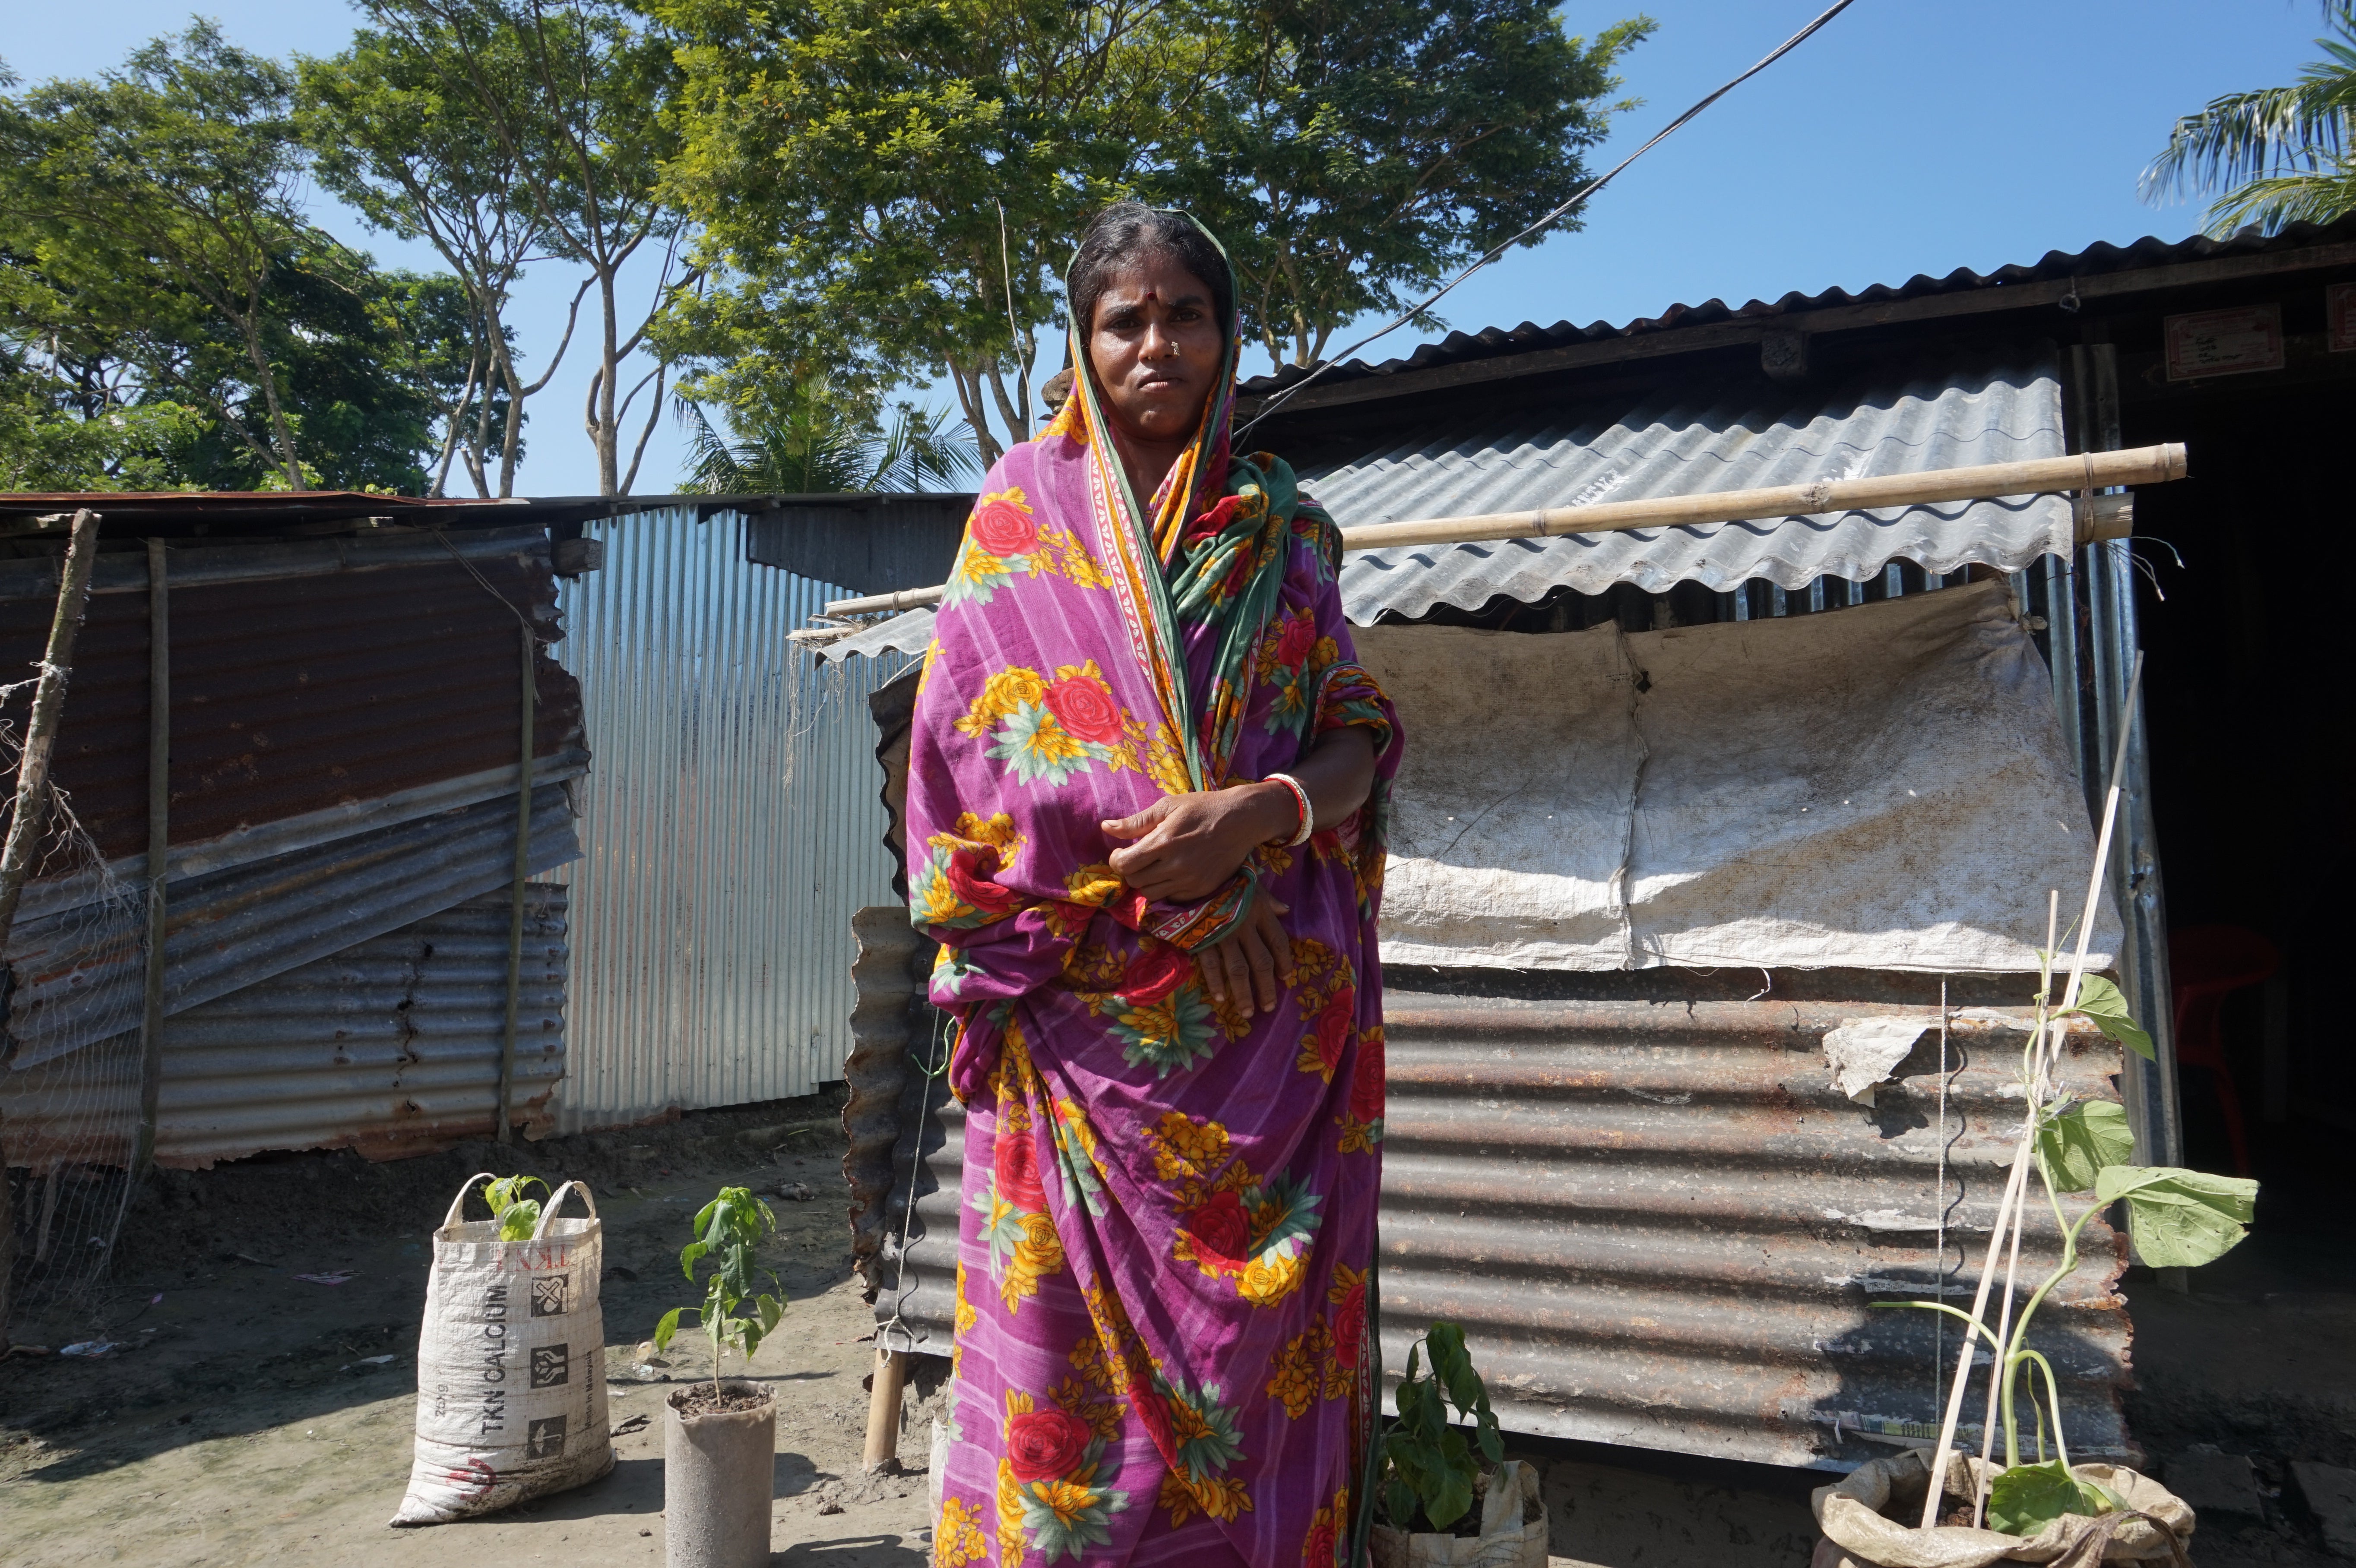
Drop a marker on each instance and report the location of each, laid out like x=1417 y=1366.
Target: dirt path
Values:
x=250 y=1417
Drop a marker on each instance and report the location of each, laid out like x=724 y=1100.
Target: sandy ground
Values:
x=245 y=1423
x=257 y=1417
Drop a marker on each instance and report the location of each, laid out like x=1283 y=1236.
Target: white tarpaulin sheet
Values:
x=1883 y=787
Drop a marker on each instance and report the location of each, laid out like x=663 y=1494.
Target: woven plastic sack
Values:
x=510 y=1365
x=1504 y=1542
x=1855 y=1513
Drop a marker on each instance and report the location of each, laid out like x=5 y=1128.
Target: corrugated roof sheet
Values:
x=1659 y=1223
x=79 y=975
x=1687 y=438
x=391 y=1046
x=908 y=632
x=2094 y=261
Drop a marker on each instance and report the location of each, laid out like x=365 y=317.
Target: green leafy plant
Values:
x=518 y=1216
x=2178 y=1219
x=1427 y=1465
x=728 y=1232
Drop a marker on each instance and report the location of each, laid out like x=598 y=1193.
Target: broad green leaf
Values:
x=669 y=1327
x=2076 y=1145
x=503 y=1192
x=2100 y=1000
x=1399 y=1501
x=519 y=1220
x=1451 y=1493
x=688 y=1255
x=2180 y=1219
x=2026 y=1498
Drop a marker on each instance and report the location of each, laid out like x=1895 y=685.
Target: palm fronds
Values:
x=810 y=441
x=2280 y=154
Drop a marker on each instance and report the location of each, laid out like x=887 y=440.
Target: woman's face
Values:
x=1156 y=347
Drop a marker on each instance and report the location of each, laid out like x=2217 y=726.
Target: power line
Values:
x=1786 y=46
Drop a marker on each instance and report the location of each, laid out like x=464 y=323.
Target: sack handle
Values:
x=458 y=1204
x=548 y=1210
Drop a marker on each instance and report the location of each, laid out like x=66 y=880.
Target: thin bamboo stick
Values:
x=30 y=823
x=2009 y=1209
x=2103 y=517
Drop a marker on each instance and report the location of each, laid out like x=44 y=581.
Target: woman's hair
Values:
x=1129 y=231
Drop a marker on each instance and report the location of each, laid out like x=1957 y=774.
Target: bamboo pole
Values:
x=159 y=834
x=883 y=1408
x=2100 y=517
x=30 y=822
x=2009 y=1209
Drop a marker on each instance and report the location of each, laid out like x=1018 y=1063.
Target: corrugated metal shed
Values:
x=1659 y=1222
x=729 y=829
x=1683 y=438
x=871 y=544
x=389 y=1046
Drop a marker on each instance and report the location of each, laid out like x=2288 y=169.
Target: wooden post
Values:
x=159 y=835
x=884 y=1407
x=522 y=873
x=30 y=822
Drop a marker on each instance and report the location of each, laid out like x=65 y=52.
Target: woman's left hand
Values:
x=1187 y=846
x=1257 y=960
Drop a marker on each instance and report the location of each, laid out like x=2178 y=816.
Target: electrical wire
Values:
x=1786 y=46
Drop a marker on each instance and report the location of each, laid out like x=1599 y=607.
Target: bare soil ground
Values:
x=257 y=1417
x=252 y=1416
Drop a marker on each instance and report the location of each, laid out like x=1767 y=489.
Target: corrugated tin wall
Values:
x=391 y=1046
x=1658 y=1221
x=730 y=829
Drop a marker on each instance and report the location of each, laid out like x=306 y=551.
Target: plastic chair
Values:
x=2208 y=964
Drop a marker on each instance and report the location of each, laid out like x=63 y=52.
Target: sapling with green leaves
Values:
x=2178 y=1219
x=1428 y=1464
x=728 y=1233
x=518 y=1216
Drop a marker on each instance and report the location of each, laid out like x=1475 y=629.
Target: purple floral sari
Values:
x=1168 y=1206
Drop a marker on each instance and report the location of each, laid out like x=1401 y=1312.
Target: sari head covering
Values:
x=1168 y=1203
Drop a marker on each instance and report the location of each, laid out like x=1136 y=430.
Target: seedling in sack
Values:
x=1430 y=1463
x=2178 y=1218
x=727 y=1231
x=518 y=1216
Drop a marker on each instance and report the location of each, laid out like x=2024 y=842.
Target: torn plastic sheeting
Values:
x=1863 y=1052
x=1879 y=788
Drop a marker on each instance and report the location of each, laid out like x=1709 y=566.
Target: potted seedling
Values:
x=516 y=1215
x=2037 y=1505
x=719 y=1437
x=1437 y=1502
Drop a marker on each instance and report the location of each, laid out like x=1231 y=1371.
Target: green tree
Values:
x=1359 y=149
x=394 y=129
x=917 y=169
x=183 y=166
x=812 y=441
x=573 y=94
x=2279 y=155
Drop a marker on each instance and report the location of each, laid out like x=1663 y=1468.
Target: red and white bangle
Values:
x=1308 y=812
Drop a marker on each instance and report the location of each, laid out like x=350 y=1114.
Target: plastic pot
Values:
x=719 y=1475
x=1504 y=1542
x=1867 y=1521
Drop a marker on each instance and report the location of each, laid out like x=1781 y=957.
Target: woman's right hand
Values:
x=1255 y=962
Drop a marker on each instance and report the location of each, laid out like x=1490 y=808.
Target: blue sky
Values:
x=1909 y=136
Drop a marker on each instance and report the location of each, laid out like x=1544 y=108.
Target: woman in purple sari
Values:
x=1146 y=802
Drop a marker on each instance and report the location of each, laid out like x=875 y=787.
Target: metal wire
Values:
x=1588 y=189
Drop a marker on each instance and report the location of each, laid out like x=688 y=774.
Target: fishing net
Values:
x=70 y=1054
